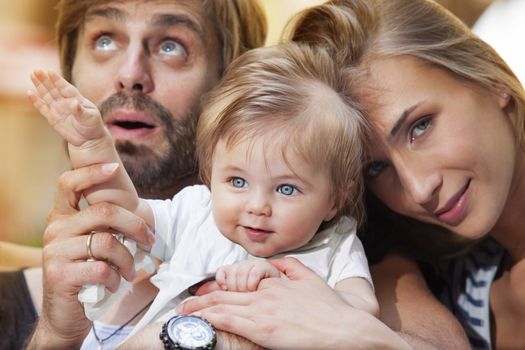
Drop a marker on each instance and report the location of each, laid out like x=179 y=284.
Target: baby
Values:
x=279 y=149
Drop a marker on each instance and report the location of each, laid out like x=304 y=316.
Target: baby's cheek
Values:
x=225 y=222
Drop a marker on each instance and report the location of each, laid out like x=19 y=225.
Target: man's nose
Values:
x=420 y=181
x=134 y=73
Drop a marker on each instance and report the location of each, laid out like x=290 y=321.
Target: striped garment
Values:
x=467 y=294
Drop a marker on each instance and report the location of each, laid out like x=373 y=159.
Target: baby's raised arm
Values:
x=79 y=122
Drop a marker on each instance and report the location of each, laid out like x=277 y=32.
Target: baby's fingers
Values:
x=38 y=102
x=38 y=77
x=253 y=281
x=220 y=277
x=62 y=87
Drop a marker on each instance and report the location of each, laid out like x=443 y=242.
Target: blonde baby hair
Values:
x=298 y=91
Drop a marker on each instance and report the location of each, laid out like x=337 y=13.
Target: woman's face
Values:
x=444 y=152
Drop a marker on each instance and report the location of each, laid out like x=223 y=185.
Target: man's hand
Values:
x=148 y=338
x=62 y=324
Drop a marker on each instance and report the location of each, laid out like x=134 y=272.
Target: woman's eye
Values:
x=172 y=48
x=420 y=128
x=374 y=169
x=238 y=182
x=286 y=189
x=105 y=43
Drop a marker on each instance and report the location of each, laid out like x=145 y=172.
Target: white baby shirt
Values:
x=192 y=247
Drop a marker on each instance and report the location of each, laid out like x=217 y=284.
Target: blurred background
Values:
x=31 y=154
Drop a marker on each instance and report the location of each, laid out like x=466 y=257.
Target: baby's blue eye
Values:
x=172 y=48
x=286 y=189
x=238 y=182
x=105 y=43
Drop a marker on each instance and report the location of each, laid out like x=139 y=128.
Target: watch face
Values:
x=191 y=332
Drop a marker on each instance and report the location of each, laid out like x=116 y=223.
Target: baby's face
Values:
x=266 y=201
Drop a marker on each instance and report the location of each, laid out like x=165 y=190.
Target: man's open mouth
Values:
x=131 y=125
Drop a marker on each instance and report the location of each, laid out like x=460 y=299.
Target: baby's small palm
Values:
x=74 y=117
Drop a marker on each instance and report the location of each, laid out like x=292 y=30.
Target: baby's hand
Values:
x=244 y=276
x=74 y=117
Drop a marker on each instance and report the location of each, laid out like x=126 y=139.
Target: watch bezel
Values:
x=172 y=344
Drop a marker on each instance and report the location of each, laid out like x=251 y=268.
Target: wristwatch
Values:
x=188 y=332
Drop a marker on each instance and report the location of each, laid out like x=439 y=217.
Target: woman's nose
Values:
x=419 y=181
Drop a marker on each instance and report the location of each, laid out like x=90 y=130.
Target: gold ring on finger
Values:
x=88 y=245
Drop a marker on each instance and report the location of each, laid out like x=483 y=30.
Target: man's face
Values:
x=146 y=65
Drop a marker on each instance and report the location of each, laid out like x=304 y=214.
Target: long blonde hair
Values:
x=359 y=31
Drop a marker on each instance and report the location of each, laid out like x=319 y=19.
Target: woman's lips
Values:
x=456 y=208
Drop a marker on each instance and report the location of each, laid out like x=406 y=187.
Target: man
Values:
x=146 y=64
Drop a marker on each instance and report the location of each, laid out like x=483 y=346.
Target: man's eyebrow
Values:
x=107 y=12
x=164 y=20
x=401 y=120
x=168 y=20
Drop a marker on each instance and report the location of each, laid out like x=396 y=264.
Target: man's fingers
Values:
x=212 y=299
x=72 y=183
x=104 y=247
x=77 y=274
x=231 y=319
x=101 y=217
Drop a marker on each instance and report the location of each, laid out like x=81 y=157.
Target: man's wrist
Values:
x=44 y=338
x=229 y=341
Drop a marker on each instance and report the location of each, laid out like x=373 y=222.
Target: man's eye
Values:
x=172 y=48
x=286 y=189
x=238 y=182
x=374 y=169
x=420 y=128
x=105 y=43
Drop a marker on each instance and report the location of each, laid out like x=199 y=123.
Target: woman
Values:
x=431 y=186
x=447 y=117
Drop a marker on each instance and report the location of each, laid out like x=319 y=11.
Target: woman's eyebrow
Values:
x=402 y=119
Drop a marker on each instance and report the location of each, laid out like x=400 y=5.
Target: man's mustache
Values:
x=139 y=102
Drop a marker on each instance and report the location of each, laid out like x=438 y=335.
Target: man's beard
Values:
x=150 y=171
